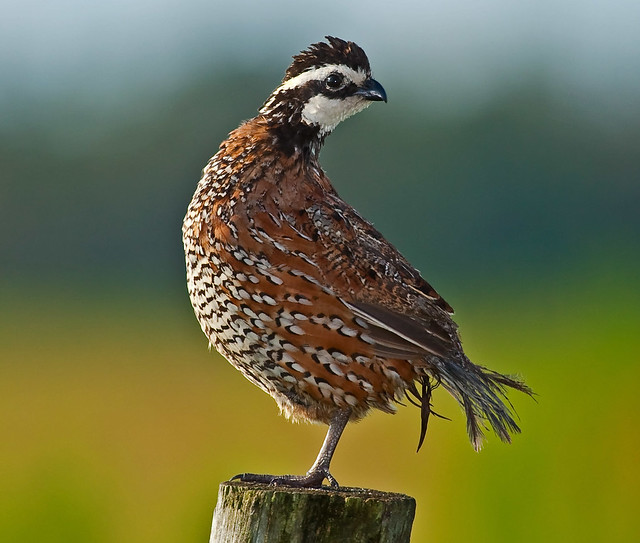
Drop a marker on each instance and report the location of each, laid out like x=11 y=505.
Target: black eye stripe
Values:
x=342 y=92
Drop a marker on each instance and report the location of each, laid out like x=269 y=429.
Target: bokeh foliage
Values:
x=118 y=424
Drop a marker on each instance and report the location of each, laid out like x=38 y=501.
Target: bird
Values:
x=303 y=295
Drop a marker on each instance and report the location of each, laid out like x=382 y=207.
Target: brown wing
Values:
x=405 y=314
x=354 y=273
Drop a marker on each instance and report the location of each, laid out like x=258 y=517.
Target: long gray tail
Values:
x=482 y=394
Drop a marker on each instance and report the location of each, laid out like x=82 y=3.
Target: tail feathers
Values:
x=482 y=394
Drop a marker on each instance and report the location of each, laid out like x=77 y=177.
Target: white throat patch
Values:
x=327 y=112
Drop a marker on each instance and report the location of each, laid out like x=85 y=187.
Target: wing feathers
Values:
x=401 y=333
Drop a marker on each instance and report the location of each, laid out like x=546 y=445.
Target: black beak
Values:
x=372 y=90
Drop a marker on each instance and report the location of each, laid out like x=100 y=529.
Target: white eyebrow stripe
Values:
x=357 y=76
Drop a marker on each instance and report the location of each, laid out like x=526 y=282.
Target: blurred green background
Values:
x=506 y=167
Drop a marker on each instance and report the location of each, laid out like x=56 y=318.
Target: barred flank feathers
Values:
x=482 y=393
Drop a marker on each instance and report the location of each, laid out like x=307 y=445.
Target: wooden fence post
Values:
x=256 y=513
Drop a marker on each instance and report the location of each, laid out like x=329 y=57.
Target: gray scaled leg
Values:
x=320 y=469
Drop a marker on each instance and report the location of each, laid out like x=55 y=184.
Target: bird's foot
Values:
x=313 y=479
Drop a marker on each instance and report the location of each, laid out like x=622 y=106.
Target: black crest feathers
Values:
x=336 y=51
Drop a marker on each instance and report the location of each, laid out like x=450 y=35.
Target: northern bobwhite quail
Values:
x=304 y=296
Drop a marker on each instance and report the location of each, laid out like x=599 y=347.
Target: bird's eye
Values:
x=333 y=81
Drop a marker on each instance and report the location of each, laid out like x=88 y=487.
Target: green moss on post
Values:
x=248 y=512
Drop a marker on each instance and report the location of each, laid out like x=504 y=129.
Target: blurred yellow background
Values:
x=506 y=166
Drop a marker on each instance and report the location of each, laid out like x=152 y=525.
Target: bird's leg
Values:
x=320 y=469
